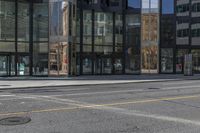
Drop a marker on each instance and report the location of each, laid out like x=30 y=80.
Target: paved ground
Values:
x=24 y=82
x=158 y=107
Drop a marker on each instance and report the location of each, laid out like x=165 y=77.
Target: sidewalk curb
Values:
x=137 y=82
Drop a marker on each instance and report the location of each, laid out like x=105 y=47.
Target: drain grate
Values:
x=12 y=121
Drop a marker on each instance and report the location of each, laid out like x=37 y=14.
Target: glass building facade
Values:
x=97 y=37
x=179 y=26
x=36 y=37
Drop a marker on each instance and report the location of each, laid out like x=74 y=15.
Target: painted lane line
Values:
x=180 y=82
x=82 y=106
x=108 y=107
x=7 y=95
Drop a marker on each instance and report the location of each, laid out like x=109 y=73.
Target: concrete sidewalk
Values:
x=36 y=82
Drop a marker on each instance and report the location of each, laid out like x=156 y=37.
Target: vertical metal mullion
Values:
x=81 y=37
x=124 y=40
x=160 y=31
x=31 y=37
x=16 y=36
x=114 y=31
x=174 y=46
x=93 y=32
x=190 y=26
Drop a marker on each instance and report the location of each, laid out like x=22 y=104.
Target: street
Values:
x=153 y=107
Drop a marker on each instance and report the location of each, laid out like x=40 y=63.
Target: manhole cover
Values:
x=153 y=88
x=11 y=121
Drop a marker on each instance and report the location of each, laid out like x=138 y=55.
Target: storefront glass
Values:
x=150 y=35
x=7 y=21
x=196 y=60
x=180 y=54
x=132 y=52
x=103 y=33
x=60 y=36
x=166 y=60
x=87 y=31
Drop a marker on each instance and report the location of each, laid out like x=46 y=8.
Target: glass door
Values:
x=103 y=65
x=4 y=65
x=23 y=65
x=106 y=66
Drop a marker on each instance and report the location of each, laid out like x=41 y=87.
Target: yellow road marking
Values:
x=79 y=106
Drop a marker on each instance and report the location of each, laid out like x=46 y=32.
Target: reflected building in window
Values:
x=150 y=36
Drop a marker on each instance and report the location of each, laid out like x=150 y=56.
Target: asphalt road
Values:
x=158 y=107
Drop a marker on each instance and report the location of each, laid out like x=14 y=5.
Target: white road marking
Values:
x=180 y=82
x=22 y=103
x=122 y=111
x=7 y=95
x=181 y=87
x=152 y=116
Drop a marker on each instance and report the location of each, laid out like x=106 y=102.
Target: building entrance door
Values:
x=103 y=65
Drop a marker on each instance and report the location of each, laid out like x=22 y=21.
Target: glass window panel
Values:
x=87 y=65
x=23 y=47
x=167 y=6
x=103 y=49
x=40 y=59
x=61 y=28
x=23 y=20
x=134 y=3
x=166 y=60
x=4 y=65
x=103 y=29
x=23 y=65
x=118 y=30
x=132 y=44
x=40 y=21
x=87 y=31
x=7 y=46
x=7 y=20
x=78 y=27
x=118 y=65
x=196 y=60
x=180 y=60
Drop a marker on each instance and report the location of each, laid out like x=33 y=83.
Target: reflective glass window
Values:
x=87 y=65
x=134 y=3
x=118 y=32
x=166 y=60
x=87 y=31
x=180 y=59
x=40 y=21
x=167 y=6
x=132 y=44
x=23 y=20
x=7 y=20
x=40 y=59
x=196 y=60
x=103 y=32
x=60 y=27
